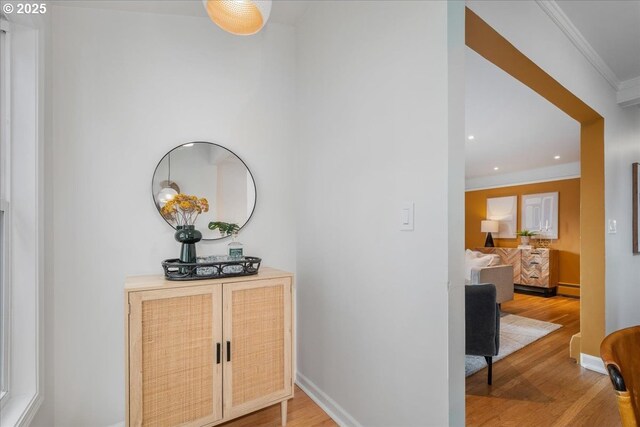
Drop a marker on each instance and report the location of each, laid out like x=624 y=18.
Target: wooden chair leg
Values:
x=489 y=360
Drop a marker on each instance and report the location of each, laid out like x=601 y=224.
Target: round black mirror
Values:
x=207 y=171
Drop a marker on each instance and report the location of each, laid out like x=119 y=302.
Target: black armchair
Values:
x=482 y=323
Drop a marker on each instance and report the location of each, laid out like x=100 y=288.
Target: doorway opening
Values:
x=486 y=42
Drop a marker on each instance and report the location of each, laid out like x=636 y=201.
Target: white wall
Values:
x=373 y=132
x=531 y=31
x=127 y=87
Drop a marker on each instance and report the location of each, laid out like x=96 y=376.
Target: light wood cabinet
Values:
x=537 y=268
x=201 y=353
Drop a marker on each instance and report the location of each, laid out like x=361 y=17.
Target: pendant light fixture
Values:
x=166 y=194
x=168 y=188
x=240 y=17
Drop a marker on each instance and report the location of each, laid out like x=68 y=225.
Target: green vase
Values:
x=188 y=236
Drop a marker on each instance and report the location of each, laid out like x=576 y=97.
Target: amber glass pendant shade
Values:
x=240 y=17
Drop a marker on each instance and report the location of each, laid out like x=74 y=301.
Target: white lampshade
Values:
x=489 y=226
x=166 y=194
x=240 y=17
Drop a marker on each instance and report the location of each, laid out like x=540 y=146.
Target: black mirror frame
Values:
x=635 y=168
x=153 y=199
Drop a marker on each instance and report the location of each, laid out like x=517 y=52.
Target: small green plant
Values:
x=526 y=233
x=226 y=229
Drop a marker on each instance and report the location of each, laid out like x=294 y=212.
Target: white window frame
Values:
x=5 y=252
x=23 y=192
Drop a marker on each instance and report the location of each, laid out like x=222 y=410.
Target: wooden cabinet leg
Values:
x=283 y=412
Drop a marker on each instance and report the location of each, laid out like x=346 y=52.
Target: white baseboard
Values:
x=328 y=405
x=592 y=363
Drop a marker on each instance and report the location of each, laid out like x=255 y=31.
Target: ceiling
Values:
x=283 y=11
x=514 y=128
x=517 y=130
x=612 y=28
x=607 y=33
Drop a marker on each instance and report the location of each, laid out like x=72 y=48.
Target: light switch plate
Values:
x=406 y=216
x=613 y=226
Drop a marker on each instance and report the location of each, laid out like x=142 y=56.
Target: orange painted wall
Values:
x=568 y=242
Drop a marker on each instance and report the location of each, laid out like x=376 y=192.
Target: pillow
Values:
x=495 y=260
x=479 y=262
x=470 y=255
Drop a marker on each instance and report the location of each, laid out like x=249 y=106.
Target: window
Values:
x=4 y=306
x=4 y=214
x=22 y=132
x=21 y=144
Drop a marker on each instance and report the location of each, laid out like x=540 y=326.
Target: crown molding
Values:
x=551 y=8
x=629 y=93
x=631 y=83
x=530 y=176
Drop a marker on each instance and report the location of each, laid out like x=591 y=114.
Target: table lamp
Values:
x=489 y=227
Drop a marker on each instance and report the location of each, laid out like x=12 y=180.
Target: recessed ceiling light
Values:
x=471 y=137
x=496 y=168
x=556 y=157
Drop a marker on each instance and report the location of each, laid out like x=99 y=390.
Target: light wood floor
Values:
x=537 y=386
x=540 y=385
x=301 y=412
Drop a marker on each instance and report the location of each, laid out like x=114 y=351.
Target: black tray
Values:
x=174 y=269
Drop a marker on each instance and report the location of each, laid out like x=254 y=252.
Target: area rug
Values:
x=516 y=332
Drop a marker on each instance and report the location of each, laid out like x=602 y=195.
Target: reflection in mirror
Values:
x=211 y=171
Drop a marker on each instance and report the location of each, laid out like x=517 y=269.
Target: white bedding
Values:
x=474 y=260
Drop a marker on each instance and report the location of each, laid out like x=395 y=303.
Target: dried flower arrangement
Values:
x=184 y=209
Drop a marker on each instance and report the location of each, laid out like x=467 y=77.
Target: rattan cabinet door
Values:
x=258 y=344
x=174 y=375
